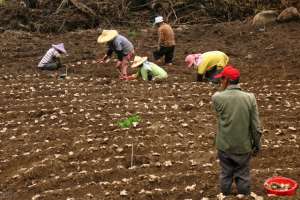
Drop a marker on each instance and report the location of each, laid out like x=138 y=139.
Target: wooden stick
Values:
x=62 y=4
x=83 y=8
x=131 y=155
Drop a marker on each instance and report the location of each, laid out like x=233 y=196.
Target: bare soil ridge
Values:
x=63 y=16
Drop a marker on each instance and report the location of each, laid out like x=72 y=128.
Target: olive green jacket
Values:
x=238 y=120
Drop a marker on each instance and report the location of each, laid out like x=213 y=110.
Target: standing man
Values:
x=238 y=134
x=166 y=41
x=121 y=46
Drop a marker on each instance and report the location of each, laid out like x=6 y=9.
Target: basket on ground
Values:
x=280 y=186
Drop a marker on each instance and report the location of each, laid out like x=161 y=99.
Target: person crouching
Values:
x=149 y=71
x=208 y=64
x=51 y=60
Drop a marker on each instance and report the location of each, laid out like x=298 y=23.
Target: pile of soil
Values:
x=60 y=139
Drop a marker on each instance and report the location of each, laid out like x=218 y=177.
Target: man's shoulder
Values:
x=226 y=92
x=118 y=38
x=165 y=26
x=161 y=28
x=248 y=94
x=217 y=95
x=51 y=49
x=221 y=93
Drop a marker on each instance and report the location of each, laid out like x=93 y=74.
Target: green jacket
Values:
x=154 y=70
x=238 y=120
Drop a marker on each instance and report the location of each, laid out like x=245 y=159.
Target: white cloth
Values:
x=49 y=57
x=147 y=66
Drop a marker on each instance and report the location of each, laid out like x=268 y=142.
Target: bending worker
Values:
x=147 y=70
x=121 y=46
x=208 y=64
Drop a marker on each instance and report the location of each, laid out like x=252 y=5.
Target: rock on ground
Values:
x=264 y=17
x=288 y=14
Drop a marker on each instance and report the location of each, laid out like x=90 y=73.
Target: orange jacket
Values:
x=166 y=36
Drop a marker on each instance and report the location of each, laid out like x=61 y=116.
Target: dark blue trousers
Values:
x=234 y=168
x=168 y=52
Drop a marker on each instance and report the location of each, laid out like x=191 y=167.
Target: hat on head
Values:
x=60 y=47
x=158 y=19
x=191 y=59
x=138 y=61
x=107 y=35
x=229 y=72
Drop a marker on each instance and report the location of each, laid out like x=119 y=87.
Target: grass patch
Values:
x=129 y=122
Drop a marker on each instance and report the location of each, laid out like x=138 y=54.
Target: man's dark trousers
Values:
x=168 y=52
x=234 y=167
x=51 y=66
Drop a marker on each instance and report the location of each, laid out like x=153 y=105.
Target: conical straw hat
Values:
x=107 y=35
x=138 y=61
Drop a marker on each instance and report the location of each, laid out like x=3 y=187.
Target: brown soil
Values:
x=60 y=139
x=47 y=18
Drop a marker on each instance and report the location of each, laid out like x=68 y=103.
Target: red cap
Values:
x=229 y=72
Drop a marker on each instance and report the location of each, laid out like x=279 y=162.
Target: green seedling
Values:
x=129 y=122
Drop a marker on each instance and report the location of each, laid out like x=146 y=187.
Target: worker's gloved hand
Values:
x=107 y=60
x=256 y=142
x=255 y=150
x=132 y=77
x=199 y=77
x=99 y=61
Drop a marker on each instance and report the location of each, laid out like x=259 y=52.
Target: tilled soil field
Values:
x=60 y=138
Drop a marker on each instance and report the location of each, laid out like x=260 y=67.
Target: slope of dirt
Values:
x=51 y=16
x=60 y=139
